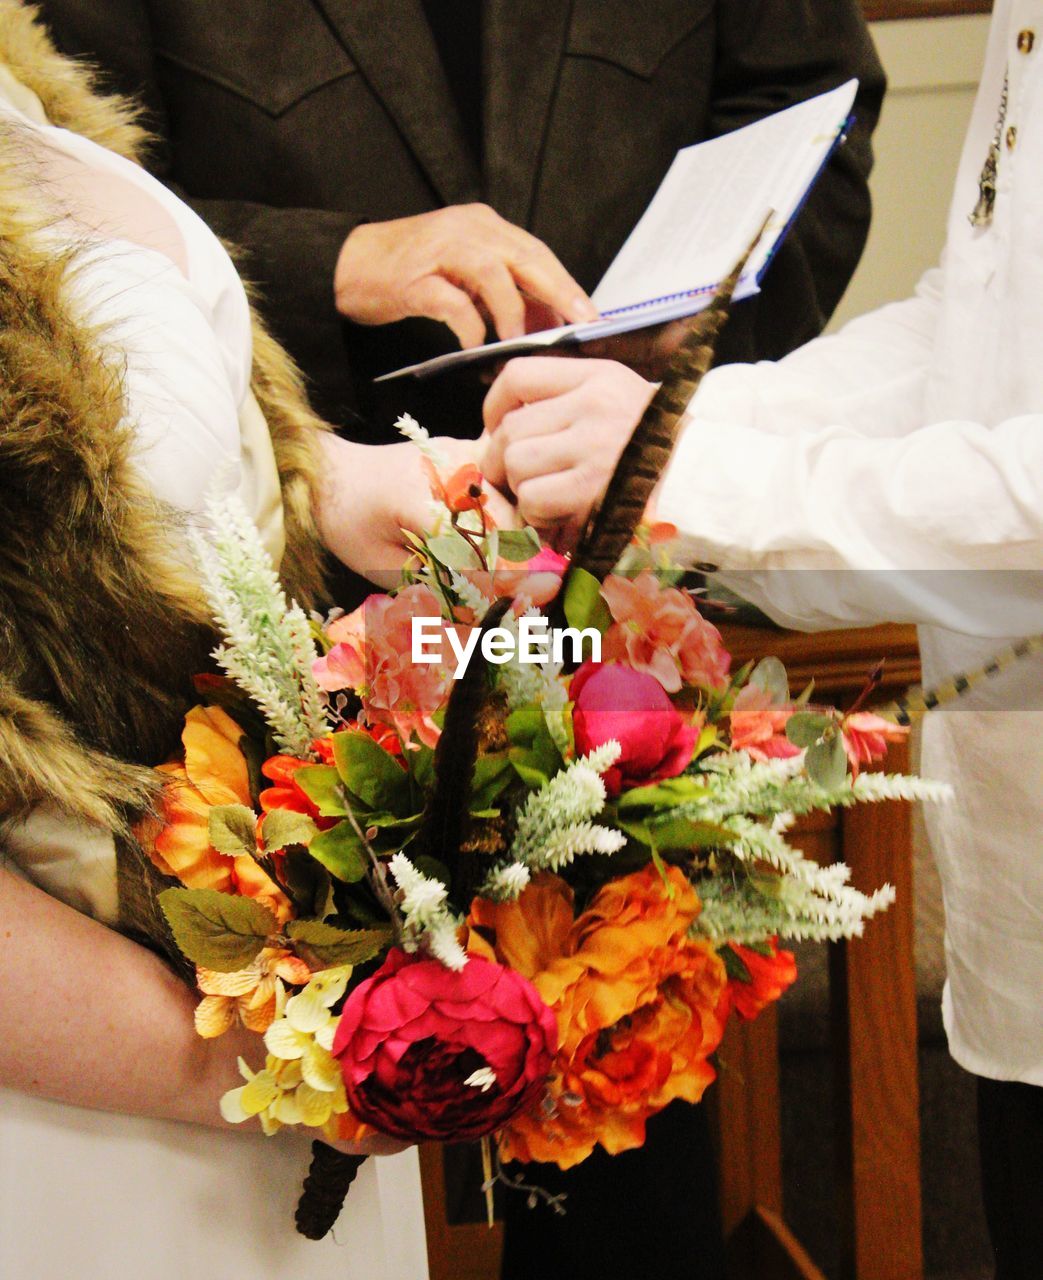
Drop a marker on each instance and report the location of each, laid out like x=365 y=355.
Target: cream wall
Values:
x=932 y=67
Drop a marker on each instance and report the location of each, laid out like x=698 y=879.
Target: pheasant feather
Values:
x=648 y=451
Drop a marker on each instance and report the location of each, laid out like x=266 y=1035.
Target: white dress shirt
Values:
x=894 y=472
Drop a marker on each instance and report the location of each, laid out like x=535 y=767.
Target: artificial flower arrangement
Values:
x=520 y=905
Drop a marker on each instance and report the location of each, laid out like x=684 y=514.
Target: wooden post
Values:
x=873 y=991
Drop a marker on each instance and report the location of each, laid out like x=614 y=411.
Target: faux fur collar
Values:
x=99 y=633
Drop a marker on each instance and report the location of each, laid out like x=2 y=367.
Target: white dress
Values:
x=88 y=1194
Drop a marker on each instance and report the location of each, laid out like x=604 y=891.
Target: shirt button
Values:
x=1012 y=137
x=1026 y=40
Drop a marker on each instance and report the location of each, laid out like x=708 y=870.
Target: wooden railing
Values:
x=873 y=1014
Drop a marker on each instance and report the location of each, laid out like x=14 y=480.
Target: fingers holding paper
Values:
x=554 y=430
x=464 y=266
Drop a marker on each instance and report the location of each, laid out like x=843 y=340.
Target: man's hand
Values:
x=554 y=430
x=458 y=265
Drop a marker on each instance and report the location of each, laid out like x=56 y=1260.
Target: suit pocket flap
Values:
x=271 y=55
x=636 y=37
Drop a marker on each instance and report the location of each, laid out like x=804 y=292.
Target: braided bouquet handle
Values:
x=325 y=1189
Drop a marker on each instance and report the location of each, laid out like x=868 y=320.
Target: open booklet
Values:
x=707 y=210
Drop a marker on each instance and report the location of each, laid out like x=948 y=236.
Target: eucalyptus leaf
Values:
x=341 y=852
x=220 y=931
x=231 y=830
x=770 y=675
x=284 y=827
x=806 y=728
x=331 y=946
x=519 y=545
x=826 y=763
x=454 y=552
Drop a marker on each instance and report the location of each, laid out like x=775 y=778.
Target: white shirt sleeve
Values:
x=814 y=489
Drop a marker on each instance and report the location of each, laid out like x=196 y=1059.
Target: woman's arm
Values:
x=89 y=1018
x=92 y=1019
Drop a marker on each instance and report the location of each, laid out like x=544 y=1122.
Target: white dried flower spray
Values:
x=268 y=649
x=555 y=823
x=427 y=921
x=506 y=883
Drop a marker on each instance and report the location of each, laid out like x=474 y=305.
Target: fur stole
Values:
x=99 y=633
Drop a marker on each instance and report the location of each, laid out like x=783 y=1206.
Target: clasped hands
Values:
x=553 y=428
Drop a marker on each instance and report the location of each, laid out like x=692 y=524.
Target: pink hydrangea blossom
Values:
x=658 y=630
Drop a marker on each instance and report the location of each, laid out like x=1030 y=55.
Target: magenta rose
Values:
x=428 y=1052
x=614 y=702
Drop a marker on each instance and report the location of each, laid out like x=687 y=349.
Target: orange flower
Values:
x=636 y=1001
x=770 y=977
x=250 y=992
x=212 y=773
x=462 y=491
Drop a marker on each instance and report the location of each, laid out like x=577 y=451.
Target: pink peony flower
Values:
x=658 y=630
x=758 y=726
x=614 y=702
x=427 y=1052
x=866 y=737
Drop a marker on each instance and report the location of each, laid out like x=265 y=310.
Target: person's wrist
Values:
x=347 y=274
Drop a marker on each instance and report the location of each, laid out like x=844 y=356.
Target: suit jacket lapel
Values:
x=395 y=52
x=523 y=48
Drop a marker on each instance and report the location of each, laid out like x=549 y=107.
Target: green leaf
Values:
x=322 y=785
x=341 y=852
x=284 y=827
x=583 y=603
x=492 y=773
x=533 y=752
x=370 y=773
x=453 y=551
x=421 y=763
x=678 y=833
x=308 y=883
x=331 y=946
x=804 y=697
x=734 y=965
x=518 y=545
x=219 y=931
x=667 y=794
x=806 y=728
x=231 y=829
x=826 y=763
x=770 y=675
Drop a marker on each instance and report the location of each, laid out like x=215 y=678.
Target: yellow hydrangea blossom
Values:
x=300 y=1082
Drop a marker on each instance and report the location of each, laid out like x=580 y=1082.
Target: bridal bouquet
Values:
x=501 y=852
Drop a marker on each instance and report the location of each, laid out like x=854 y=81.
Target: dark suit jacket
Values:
x=286 y=122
